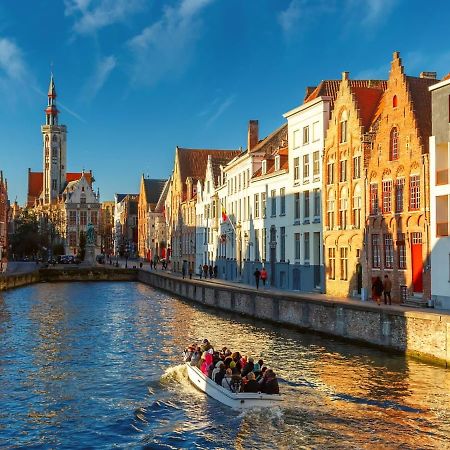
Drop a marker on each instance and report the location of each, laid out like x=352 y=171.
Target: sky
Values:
x=136 y=78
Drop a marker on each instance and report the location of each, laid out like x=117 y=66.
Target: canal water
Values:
x=97 y=365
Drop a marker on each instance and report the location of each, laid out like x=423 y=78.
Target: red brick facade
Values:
x=397 y=194
x=3 y=216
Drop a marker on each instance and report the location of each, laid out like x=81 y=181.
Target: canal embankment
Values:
x=420 y=333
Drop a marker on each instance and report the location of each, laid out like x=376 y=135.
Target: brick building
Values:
x=3 y=217
x=346 y=149
x=398 y=178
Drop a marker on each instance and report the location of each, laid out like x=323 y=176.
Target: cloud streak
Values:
x=221 y=109
x=93 y=15
x=102 y=72
x=166 y=46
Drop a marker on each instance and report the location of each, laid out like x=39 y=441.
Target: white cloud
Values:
x=166 y=46
x=92 y=15
x=290 y=16
x=12 y=63
x=96 y=81
x=221 y=109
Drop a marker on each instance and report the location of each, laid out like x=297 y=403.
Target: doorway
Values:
x=416 y=262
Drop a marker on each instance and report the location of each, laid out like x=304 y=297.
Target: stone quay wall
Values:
x=20 y=279
x=423 y=335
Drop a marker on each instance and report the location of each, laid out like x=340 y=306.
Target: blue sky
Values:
x=135 y=78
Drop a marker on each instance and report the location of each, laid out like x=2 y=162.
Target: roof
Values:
x=367 y=100
x=120 y=197
x=421 y=100
x=270 y=164
x=192 y=162
x=162 y=198
x=272 y=141
x=330 y=88
x=153 y=189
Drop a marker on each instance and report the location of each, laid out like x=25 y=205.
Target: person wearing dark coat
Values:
x=377 y=289
x=252 y=385
x=270 y=383
x=248 y=367
x=220 y=374
x=257 y=276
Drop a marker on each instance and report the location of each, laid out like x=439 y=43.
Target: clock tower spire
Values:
x=54 y=151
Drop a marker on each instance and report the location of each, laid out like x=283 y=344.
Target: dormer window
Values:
x=277 y=162
x=264 y=167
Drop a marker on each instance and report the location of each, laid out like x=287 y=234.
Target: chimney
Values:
x=345 y=75
x=429 y=75
x=253 y=138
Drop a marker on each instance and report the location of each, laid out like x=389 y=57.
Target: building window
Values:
x=306 y=204
x=343 y=253
x=82 y=199
x=387 y=196
x=401 y=250
x=330 y=210
x=264 y=167
x=263 y=204
x=373 y=198
x=297 y=245
x=277 y=162
x=315 y=131
x=357 y=167
x=343 y=207
x=357 y=208
x=296 y=169
x=94 y=218
x=306 y=247
x=330 y=173
x=316 y=202
x=282 y=244
x=388 y=251
x=297 y=206
x=376 y=259
x=282 y=201
x=305 y=167
x=394 y=101
x=73 y=239
x=72 y=218
x=257 y=255
x=306 y=135
x=343 y=170
x=296 y=138
x=316 y=164
x=393 y=144
x=273 y=197
x=331 y=263
x=83 y=218
x=343 y=128
x=256 y=206
x=399 y=189
x=414 y=192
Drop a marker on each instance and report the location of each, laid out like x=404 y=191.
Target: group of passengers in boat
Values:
x=231 y=370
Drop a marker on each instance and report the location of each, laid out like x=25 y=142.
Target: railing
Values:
x=441 y=177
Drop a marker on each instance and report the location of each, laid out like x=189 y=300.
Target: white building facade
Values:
x=440 y=194
x=307 y=126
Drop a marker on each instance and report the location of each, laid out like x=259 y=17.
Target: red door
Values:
x=417 y=261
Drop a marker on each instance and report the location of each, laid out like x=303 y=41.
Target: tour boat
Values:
x=243 y=400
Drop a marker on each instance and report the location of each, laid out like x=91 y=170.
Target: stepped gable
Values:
x=330 y=88
x=153 y=189
x=367 y=100
x=192 y=162
x=421 y=103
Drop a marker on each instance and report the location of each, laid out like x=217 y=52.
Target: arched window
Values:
x=343 y=127
x=394 y=101
x=330 y=209
x=393 y=144
x=343 y=207
x=357 y=207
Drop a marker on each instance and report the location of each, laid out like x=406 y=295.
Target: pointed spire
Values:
x=51 y=111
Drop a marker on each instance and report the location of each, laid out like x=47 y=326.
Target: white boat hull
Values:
x=244 y=400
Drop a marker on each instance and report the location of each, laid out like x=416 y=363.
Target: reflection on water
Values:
x=97 y=366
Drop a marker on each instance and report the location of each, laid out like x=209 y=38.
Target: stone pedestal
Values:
x=89 y=257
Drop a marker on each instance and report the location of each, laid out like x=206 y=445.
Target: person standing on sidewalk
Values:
x=257 y=276
x=377 y=290
x=263 y=276
x=205 y=271
x=200 y=271
x=387 y=287
x=190 y=272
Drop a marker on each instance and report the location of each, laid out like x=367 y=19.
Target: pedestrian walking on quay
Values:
x=263 y=276
x=257 y=275
x=215 y=270
x=190 y=272
x=210 y=269
x=377 y=290
x=205 y=271
x=200 y=271
x=387 y=288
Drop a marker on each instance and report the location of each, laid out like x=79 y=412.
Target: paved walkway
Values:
x=304 y=295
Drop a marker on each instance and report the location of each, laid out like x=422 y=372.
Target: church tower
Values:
x=54 y=150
